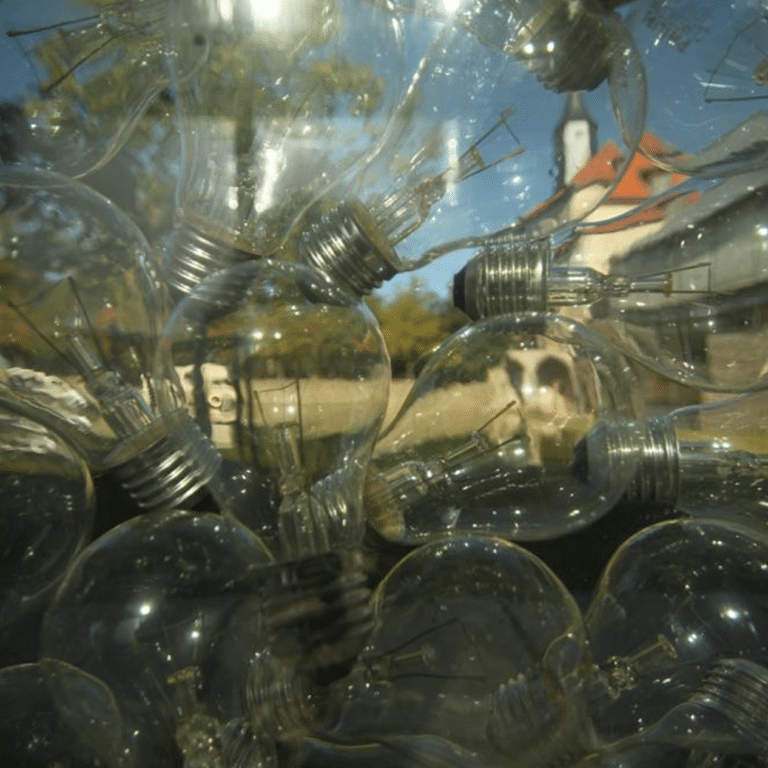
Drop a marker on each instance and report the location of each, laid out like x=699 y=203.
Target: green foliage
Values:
x=142 y=177
x=414 y=321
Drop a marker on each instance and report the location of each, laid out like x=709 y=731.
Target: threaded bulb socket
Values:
x=583 y=44
x=657 y=479
x=192 y=256
x=348 y=246
x=504 y=279
x=165 y=476
x=317 y=613
x=567 y=44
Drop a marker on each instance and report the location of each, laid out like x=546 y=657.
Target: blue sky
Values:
x=704 y=74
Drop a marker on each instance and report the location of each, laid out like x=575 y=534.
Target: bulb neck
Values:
x=320 y=520
x=536 y=723
x=726 y=713
x=348 y=246
x=317 y=613
x=164 y=476
x=583 y=44
x=623 y=673
x=658 y=477
x=400 y=500
x=279 y=698
x=504 y=279
x=192 y=256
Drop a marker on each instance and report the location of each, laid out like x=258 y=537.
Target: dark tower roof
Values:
x=575 y=109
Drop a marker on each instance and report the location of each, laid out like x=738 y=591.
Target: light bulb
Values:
x=490 y=438
x=80 y=305
x=288 y=375
x=33 y=732
x=79 y=76
x=48 y=510
x=678 y=626
x=712 y=111
x=706 y=460
x=476 y=642
x=165 y=611
x=293 y=95
x=676 y=300
x=464 y=155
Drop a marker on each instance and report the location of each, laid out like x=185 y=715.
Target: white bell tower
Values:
x=575 y=139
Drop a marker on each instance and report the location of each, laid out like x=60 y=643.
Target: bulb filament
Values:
x=403 y=211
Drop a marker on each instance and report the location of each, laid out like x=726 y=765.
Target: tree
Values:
x=414 y=321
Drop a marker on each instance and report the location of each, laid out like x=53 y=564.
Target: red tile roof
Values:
x=633 y=187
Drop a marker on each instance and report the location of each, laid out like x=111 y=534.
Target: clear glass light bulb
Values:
x=33 y=732
x=685 y=300
x=80 y=305
x=491 y=437
x=679 y=620
x=79 y=76
x=707 y=460
x=48 y=511
x=288 y=377
x=293 y=94
x=476 y=642
x=464 y=155
x=164 y=613
x=707 y=70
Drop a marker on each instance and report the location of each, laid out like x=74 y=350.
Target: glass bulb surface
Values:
x=292 y=96
x=79 y=76
x=34 y=735
x=476 y=642
x=165 y=610
x=289 y=376
x=80 y=305
x=660 y=282
x=711 y=113
x=464 y=157
x=707 y=460
x=490 y=437
x=675 y=599
x=48 y=510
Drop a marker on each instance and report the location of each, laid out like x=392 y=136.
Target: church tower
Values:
x=575 y=139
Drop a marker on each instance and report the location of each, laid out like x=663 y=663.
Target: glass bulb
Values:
x=48 y=511
x=79 y=76
x=490 y=437
x=706 y=460
x=293 y=95
x=80 y=305
x=476 y=642
x=289 y=376
x=678 y=611
x=464 y=155
x=165 y=611
x=711 y=113
x=33 y=733
x=660 y=282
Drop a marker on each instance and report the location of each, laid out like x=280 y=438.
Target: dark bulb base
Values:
x=583 y=42
x=504 y=279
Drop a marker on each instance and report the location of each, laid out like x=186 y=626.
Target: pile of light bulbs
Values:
x=215 y=552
